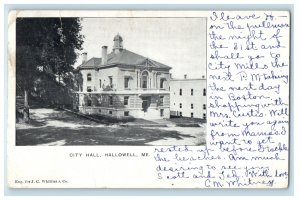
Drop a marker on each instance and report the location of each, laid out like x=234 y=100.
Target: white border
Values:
x=296 y=70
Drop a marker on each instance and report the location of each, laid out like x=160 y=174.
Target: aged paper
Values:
x=167 y=99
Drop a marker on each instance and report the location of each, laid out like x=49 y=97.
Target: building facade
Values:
x=188 y=98
x=124 y=84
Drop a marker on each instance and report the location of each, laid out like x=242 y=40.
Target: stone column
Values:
x=148 y=83
x=153 y=80
x=150 y=80
x=138 y=79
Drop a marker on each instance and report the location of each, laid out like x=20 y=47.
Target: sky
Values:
x=177 y=42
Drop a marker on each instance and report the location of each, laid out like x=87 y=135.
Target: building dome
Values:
x=118 y=37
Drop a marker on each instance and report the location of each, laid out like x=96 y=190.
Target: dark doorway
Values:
x=161 y=112
x=146 y=103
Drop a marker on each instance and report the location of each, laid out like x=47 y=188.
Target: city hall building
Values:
x=124 y=84
x=188 y=97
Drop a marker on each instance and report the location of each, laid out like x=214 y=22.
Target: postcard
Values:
x=148 y=99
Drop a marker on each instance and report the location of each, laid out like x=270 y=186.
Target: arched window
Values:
x=162 y=85
x=145 y=79
x=89 y=77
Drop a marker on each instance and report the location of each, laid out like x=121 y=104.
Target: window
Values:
x=161 y=112
x=162 y=83
x=180 y=114
x=126 y=100
x=89 y=77
x=110 y=112
x=89 y=102
x=100 y=83
x=180 y=92
x=180 y=105
x=192 y=106
x=89 y=89
x=192 y=115
x=204 y=92
x=99 y=110
x=126 y=113
x=161 y=100
x=204 y=106
x=110 y=81
x=110 y=100
x=126 y=82
x=192 y=92
x=99 y=99
x=144 y=79
x=204 y=115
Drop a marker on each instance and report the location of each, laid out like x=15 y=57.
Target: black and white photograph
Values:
x=128 y=99
x=110 y=81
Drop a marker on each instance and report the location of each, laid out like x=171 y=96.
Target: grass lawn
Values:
x=94 y=136
x=130 y=120
x=56 y=127
x=182 y=120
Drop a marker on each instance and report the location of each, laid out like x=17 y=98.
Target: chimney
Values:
x=84 y=57
x=104 y=55
x=185 y=76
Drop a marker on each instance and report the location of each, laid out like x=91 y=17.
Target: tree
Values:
x=49 y=44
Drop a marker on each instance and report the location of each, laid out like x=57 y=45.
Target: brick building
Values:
x=123 y=84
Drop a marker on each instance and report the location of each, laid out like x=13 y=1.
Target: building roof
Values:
x=93 y=62
x=124 y=57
